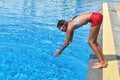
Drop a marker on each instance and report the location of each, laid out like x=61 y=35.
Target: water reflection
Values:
x=29 y=8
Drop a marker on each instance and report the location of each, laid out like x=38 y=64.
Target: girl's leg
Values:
x=96 y=48
x=99 y=48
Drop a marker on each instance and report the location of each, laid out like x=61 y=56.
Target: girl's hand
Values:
x=57 y=53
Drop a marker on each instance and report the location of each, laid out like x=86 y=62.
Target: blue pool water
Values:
x=29 y=39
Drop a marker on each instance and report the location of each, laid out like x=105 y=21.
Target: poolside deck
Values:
x=109 y=40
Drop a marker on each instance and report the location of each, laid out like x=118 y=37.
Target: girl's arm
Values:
x=69 y=37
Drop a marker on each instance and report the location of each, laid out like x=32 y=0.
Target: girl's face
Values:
x=63 y=28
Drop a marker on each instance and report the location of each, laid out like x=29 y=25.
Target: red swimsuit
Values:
x=96 y=19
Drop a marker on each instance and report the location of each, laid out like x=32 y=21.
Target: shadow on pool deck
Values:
x=108 y=57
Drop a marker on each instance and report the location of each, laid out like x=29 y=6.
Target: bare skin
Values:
x=84 y=19
x=95 y=46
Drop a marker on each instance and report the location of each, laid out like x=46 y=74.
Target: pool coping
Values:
x=107 y=39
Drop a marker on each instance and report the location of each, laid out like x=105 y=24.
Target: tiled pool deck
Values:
x=109 y=38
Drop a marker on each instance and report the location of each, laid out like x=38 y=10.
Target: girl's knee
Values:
x=92 y=42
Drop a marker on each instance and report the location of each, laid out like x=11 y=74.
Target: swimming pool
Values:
x=29 y=38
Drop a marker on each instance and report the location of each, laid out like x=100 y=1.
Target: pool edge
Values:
x=112 y=71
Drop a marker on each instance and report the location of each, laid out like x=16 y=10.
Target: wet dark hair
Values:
x=60 y=23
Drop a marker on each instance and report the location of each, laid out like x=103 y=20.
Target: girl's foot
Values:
x=99 y=65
